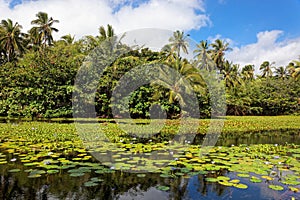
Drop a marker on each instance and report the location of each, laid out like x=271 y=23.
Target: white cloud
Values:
x=267 y=48
x=85 y=17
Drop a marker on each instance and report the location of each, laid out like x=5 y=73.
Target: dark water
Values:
x=128 y=186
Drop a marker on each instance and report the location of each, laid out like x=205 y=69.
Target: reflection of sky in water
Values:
x=197 y=189
x=151 y=194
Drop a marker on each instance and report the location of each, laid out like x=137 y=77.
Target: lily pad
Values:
x=276 y=187
x=241 y=186
x=163 y=188
x=77 y=174
x=90 y=184
x=243 y=175
x=211 y=179
x=14 y=170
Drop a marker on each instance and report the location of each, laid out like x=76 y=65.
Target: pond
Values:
x=257 y=165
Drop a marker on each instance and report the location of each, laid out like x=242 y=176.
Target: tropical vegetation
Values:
x=37 y=74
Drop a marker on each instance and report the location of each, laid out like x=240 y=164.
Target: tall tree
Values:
x=248 y=72
x=179 y=42
x=67 y=39
x=204 y=59
x=43 y=31
x=231 y=76
x=281 y=72
x=105 y=34
x=176 y=84
x=12 y=40
x=219 y=49
x=266 y=68
x=294 y=69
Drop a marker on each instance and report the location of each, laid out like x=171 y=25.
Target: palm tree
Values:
x=281 y=72
x=43 y=31
x=294 y=69
x=203 y=56
x=248 y=72
x=266 y=68
x=231 y=75
x=176 y=84
x=219 y=49
x=67 y=39
x=12 y=40
x=179 y=42
x=105 y=34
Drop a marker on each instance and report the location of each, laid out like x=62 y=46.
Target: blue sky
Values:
x=257 y=30
x=241 y=20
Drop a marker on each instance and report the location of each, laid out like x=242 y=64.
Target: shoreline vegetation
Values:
x=67 y=131
x=37 y=75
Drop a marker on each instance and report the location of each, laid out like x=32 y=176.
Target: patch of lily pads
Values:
x=43 y=152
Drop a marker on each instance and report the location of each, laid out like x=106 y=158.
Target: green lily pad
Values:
x=242 y=175
x=77 y=174
x=95 y=179
x=90 y=184
x=276 y=187
x=241 y=186
x=294 y=189
x=234 y=181
x=223 y=178
x=52 y=171
x=226 y=183
x=211 y=179
x=254 y=179
x=163 y=188
x=14 y=170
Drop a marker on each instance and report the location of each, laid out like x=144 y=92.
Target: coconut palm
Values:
x=105 y=34
x=204 y=59
x=176 y=84
x=219 y=49
x=42 y=33
x=266 y=68
x=294 y=69
x=179 y=42
x=231 y=75
x=281 y=72
x=12 y=40
x=248 y=72
x=67 y=39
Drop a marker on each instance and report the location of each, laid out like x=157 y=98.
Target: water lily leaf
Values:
x=211 y=179
x=141 y=175
x=267 y=178
x=163 y=188
x=234 y=181
x=14 y=170
x=226 y=183
x=243 y=175
x=241 y=186
x=90 y=184
x=223 y=178
x=95 y=179
x=294 y=189
x=52 y=171
x=77 y=174
x=276 y=187
x=254 y=179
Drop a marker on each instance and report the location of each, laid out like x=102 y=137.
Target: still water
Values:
x=125 y=185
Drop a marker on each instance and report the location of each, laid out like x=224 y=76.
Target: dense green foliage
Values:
x=37 y=75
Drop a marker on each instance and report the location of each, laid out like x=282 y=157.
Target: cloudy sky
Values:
x=257 y=30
